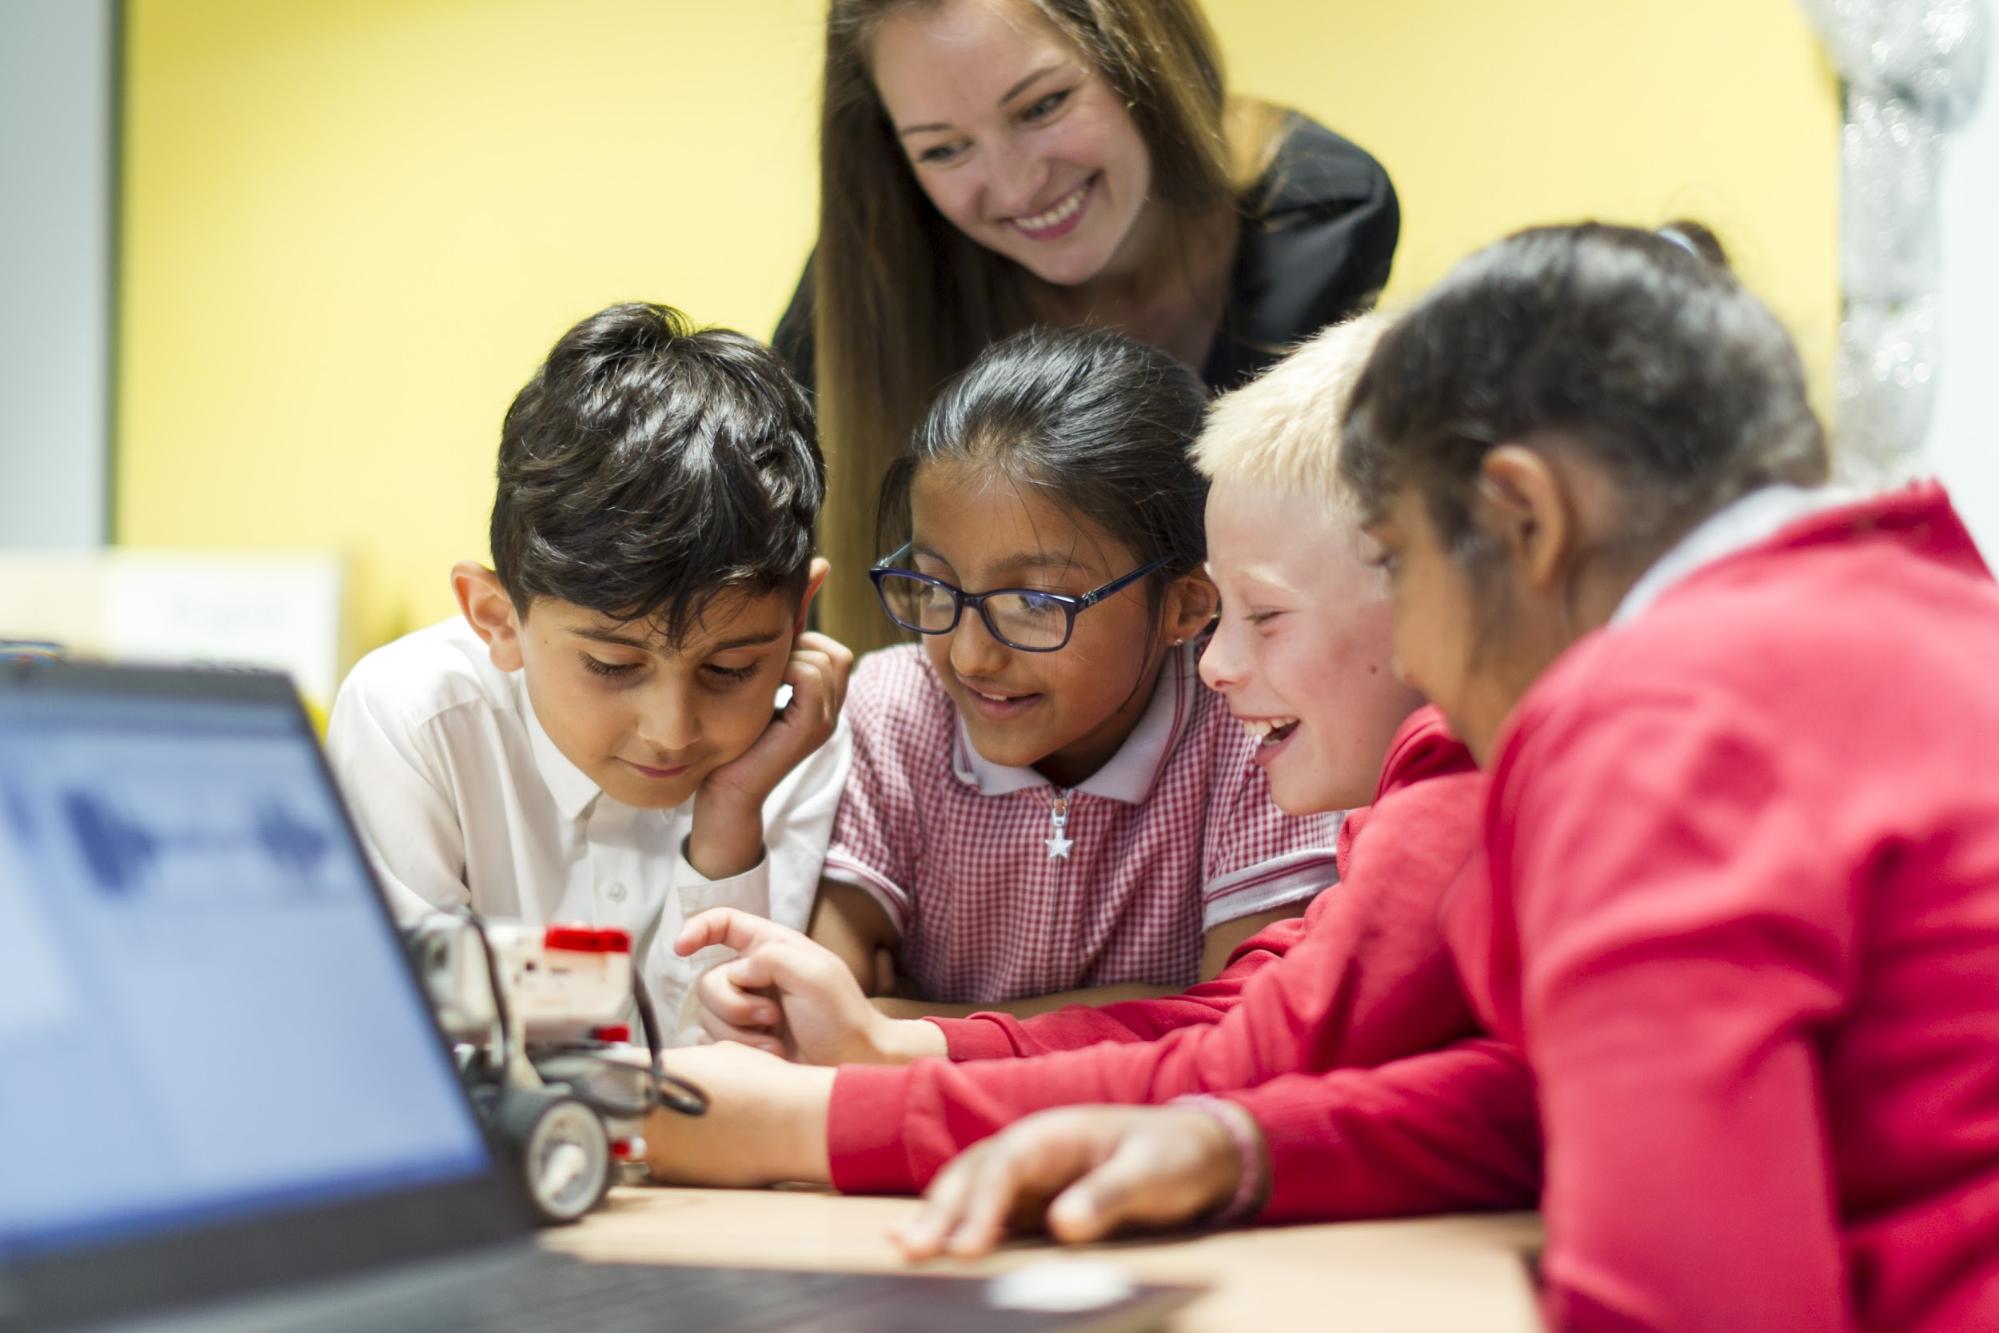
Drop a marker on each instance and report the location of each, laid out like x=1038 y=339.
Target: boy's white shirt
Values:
x=453 y=783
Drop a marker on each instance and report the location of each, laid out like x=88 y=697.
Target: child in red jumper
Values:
x=1743 y=829
x=1354 y=1057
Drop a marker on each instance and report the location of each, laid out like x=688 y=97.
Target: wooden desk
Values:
x=1432 y=1273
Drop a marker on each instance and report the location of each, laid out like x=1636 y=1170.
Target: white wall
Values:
x=1964 y=433
x=57 y=71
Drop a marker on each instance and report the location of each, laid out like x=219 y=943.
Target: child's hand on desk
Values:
x=1080 y=1173
x=726 y=836
x=766 y=1121
x=792 y=997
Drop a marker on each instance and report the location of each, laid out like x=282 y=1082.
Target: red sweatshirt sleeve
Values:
x=1371 y=982
x=1682 y=937
x=1446 y=1131
x=999 y=1036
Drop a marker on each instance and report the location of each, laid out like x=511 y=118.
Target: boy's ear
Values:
x=1523 y=503
x=1192 y=601
x=815 y=579
x=489 y=611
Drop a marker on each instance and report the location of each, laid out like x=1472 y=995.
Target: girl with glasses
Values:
x=1047 y=806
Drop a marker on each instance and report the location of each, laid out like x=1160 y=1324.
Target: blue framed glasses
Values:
x=1023 y=618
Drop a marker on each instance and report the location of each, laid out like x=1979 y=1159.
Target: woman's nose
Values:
x=1015 y=178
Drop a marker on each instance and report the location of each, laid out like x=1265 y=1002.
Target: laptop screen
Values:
x=204 y=1015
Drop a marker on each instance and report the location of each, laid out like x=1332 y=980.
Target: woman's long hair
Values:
x=903 y=300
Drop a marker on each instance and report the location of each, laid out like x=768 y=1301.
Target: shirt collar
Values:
x=1736 y=526
x=1132 y=771
x=572 y=789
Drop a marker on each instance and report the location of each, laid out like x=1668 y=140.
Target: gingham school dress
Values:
x=1004 y=887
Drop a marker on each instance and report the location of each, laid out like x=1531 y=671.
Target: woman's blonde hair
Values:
x=903 y=300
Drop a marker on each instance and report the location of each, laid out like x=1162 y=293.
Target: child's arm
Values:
x=1445 y=1131
x=1679 y=958
x=1218 y=947
x=816 y=1016
x=850 y=923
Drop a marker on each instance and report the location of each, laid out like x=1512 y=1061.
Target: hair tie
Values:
x=1679 y=238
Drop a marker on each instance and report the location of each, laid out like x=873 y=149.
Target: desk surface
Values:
x=1430 y=1273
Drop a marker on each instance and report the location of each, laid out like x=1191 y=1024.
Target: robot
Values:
x=537 y=1018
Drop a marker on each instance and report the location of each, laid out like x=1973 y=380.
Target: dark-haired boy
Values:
x=596 y=738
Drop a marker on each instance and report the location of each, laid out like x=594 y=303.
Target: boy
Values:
x=594 y=738
x=1358 y=1083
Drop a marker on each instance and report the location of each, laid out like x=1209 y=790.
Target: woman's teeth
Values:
x=1269 y=730
x=1057 y=215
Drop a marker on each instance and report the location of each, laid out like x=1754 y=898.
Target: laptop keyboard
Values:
x=549 y=1291
x=542 y=1290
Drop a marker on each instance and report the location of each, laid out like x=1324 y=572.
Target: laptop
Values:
x=224 y=1101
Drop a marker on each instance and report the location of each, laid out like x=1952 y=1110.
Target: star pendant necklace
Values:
x=1058 y=842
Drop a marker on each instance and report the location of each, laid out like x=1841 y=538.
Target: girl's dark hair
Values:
x=649 y=465
x=903 y=300
x=1099 y=422
x=1638 y=347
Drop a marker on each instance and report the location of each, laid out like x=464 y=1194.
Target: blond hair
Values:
x=1282 y=430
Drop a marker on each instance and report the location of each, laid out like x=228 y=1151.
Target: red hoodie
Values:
x=1356 y=1051
x=1744 y=922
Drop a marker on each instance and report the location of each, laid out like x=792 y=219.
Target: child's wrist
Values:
x=808 y=1106
x=904 y=1041
x=725 y=838
x=1250 y=1184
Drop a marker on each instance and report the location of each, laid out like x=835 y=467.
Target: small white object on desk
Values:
x=1059 y=1287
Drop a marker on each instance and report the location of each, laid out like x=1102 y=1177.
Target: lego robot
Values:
x=537 y=1018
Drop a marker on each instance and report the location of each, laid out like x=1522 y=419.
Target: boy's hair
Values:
x=1638 y=347
x=1098 y=422
x=647 y=466
x=1281 y=431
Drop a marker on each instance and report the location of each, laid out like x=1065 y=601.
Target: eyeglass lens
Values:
x=1023 y=619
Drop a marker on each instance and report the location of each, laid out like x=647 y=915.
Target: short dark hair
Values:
x=1099 y=422
x=1639 y=346
x=648 y=465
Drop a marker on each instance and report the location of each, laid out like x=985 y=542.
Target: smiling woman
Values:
x=986 y=165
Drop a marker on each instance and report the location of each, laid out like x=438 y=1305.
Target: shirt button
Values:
x=616 y=893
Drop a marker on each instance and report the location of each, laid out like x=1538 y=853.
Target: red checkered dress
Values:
x=1175 y=835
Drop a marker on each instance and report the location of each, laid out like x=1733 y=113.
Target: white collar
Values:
x=1736 y=526
x=569 y=785
x=1131 y=772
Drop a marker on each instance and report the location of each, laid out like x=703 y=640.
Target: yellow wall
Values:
x=352 y=227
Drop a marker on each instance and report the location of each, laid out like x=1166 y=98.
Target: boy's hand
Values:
x=766 y=1121
x=1081 y=1172
x=727 y=833
x=794 y=998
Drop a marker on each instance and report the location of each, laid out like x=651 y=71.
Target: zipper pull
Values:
x=1058 y=819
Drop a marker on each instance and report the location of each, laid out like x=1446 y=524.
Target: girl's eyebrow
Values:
x=1014 y=564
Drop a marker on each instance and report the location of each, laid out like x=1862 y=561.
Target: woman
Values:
x=990 y=164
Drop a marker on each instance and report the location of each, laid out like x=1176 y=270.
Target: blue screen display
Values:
x=203 y=1009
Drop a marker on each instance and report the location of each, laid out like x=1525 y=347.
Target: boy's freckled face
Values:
x=1302 y=650
x=646 y=721
x=1063 y=713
